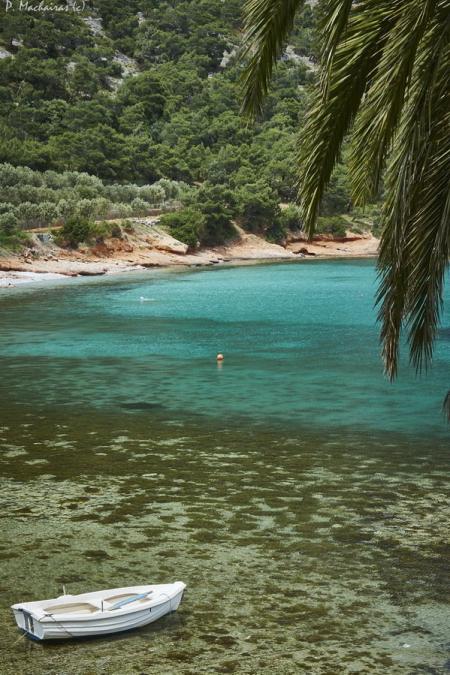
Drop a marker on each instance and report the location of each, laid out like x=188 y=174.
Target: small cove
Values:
x=303 y=498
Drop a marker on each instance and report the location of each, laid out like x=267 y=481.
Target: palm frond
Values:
x=385 y=68
x=414 y=243
x=429 y=250
x=267 y=24
x=446 y=406
x=336 y=13
x=382 y=106
x=333 y=111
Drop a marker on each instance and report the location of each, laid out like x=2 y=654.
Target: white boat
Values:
x=99 y=613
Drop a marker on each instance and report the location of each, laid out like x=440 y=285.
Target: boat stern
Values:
x=19 y=617
x=28 y=623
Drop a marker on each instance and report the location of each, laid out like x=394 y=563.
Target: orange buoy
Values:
x=219 y=357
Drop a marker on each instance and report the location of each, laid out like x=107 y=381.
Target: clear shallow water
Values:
x=300 y=342
x=301 y=497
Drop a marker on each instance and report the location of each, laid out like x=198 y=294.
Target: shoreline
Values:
x=20 y=270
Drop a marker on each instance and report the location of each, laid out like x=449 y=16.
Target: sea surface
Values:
x=301 y=497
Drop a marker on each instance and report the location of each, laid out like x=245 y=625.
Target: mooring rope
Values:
x=21 y=637
x=59 y=624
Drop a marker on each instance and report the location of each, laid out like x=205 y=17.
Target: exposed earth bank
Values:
x=145 y=244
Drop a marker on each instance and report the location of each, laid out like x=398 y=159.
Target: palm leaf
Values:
x=333 y=111
x=381 y=108
x=385 y=68
x=414 y=243
x=267 y=23
x=446 y=406
x=336 y=13
x=428 y=249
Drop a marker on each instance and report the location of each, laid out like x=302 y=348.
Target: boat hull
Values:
x=98 y=624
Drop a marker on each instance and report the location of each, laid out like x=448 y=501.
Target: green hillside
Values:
x=141 y=91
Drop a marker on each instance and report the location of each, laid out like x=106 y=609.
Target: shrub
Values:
x=217 y=206
x=87 y=180
x=55 y=180
x=76 y=230
x=19 y=175
x=6 y=207
x=121 y=193
x=65 y=209
x=258 y=208
x=290 y=218
x=153 y=194
x=85 y=209
x=120 y=211
x=116 y=231
x=8 y=223
x=186 y=226
x=336 y=198
x=29 y=193
x=10 y=237
x=125 y=225
x=334 y=225
x=49 y=213
x=140 y=207
x=36 y=215
x=276 y=233
x=29 y=214
x=171 y=188
x=356 y=229
x=14 y=241
x=9 y=175
x=101 y=207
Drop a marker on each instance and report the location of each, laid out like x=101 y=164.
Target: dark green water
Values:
x=302 y=498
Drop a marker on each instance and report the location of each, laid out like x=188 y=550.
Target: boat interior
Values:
x=127 y=599
x=117 y=598
x=73 y=608
x=113 y=602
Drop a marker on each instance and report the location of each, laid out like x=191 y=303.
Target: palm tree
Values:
x=384 y=81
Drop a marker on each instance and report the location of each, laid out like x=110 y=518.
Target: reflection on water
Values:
x=306 y=547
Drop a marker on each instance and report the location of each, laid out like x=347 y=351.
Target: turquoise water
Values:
x=301 y=496
x=300 y=342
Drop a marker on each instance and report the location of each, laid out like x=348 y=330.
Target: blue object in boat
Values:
x=121 y=603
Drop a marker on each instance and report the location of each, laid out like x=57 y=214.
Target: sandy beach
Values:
x=149 y=246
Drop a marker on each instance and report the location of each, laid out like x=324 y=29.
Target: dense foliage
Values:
x=144 y=92
x=37 y=199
